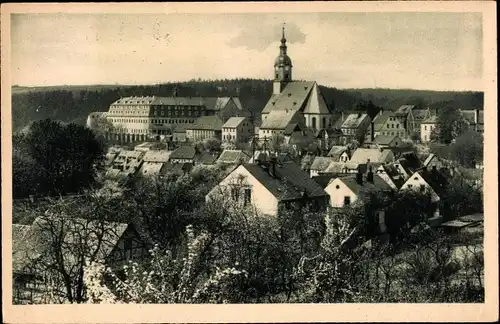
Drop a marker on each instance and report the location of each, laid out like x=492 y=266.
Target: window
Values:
x=397 y=125
x=422 y=188
x=248 y=196
x=314 y=122
x=410 y=186
x=235 y=193
x=347 y=201
x=425 y=127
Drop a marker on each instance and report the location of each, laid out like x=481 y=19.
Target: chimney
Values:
x=369 y=176
x=359 y=115
x=372 y=131
x=359 y=177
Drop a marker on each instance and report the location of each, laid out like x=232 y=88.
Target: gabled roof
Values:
x=292 y=127
x=183 y=152
x=362 y=155
x=233 y=157
x=316 y=102
x=378 y=182
x=321 y=163
x=384 y=139
x=393 y=173
x=354 y=120
x=293 y=97
x=278 y=119
x=180 y=128
x=429 y=159
x=404 y=109
x=289 y=182
x=213 y=123
x=35 y=242
x=156 y=156
x=233 y=122
x=435 y=179
x=324 y=179
x=420 y=114
x=337 y=151
x=340 y=167
x=206 y=158
x=430 y=120
x=381 y=119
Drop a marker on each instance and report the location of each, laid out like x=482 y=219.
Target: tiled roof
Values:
x=420 y=114
x=207 y=158
x=381 y=119
x=278 y=119
x=336 y=151
x=404 y=109
x=431 y=120
x=36 y=241
x=151 y=168
x=384 y=139
x=134 y=100
x=320 y=163
x=378 y=182
x=324 y=179
x=290 y=128
x=156 y=156
x=206 y=123
x=393 y=173
x=233 y=122
x=233 y=157
x=183 y=152
x=354 y=120
x=435 y=179
x=316 y=102
x=362 y=155
x=289 y=183
x=339 y=167
x=293 y=97
x=180 y=128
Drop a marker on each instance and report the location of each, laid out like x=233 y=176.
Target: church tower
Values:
x=282 y=67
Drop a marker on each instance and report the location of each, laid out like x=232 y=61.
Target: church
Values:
x=293 y=102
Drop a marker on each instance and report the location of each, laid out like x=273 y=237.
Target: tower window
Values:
x=276 y=75
x=286 y=75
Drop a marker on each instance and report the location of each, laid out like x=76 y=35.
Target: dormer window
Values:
x=290 y=94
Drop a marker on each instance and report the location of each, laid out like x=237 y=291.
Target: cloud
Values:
x=259 y=36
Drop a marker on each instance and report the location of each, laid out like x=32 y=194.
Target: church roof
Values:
x=278 y=119
x=293 y=96
x=316 y=103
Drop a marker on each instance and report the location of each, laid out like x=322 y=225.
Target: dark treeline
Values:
x=74 y=103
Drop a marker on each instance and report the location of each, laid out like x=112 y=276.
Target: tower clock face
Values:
x=287 y=68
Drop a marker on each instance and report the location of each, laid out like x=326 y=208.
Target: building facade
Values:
x=237 y=130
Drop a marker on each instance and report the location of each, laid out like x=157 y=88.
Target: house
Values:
x=320 y=164
x=339 y=153
x=425 y=181
x=126 y=163
x=387 y=141
x=109 y=158
x=419 y=115
x=206 y=158
x=344 y=168
x=348 y=191
x=33 y=250
x=329 y=137
x=233 y=157
x=407 y=164
x=390 y=174
x=237 y=130
x=179 y=132
x=405 y=114
x=386 y=123
x=277 y=122
x=355 y=126
x=183 y=154
x=203 y=128
x=153 y=162
x=427 y=127
x=362 y=155
x=267 y=186
x=224 y=107
x=433 y=162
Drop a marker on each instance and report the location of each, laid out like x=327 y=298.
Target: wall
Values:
x=262 y=199
x=425 y=131
x=337 y=195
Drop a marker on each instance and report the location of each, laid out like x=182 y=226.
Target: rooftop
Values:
x=233 y=157
x=233 y=122
x=213 y=123
x=183 y=152
x=362 y=155
x=354 y=120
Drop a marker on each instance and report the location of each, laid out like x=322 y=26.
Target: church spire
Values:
x=283 y=41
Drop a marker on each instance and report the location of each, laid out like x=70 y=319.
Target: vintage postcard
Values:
x=249 y=162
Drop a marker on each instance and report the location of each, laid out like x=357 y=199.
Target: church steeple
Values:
x=282 y=65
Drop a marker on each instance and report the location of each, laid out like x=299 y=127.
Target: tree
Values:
x=451 y=124
x=68 y=156
x=212 y=145
x=468 y=149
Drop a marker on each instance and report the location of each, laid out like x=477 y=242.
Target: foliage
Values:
x=451 y=125
x=468 y=149
x=168 y=279
x=56 y=158
x=460 y=198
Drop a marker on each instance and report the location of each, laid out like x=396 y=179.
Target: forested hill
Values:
x=74 y=103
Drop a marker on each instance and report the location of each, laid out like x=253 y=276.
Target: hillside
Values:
x=74 y=103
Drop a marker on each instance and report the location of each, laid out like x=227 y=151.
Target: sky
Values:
x=436 y=51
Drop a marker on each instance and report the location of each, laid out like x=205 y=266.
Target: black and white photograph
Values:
x=281 y=156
